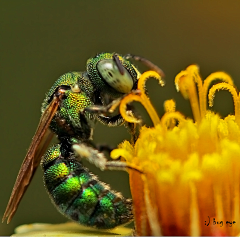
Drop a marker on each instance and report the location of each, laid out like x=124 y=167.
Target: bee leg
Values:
x=120 y=165
x=91 y=154
x=111 y=106
x=111 y=121
x=103 y=109
x=98 y=159
x=134 y=131
x=116 y=121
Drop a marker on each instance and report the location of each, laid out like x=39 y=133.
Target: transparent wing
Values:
x=37 y=148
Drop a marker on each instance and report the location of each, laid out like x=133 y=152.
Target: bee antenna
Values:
x=118 y=63
x=147 y=63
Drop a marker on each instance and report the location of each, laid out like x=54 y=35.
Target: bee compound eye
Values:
x=111 y=74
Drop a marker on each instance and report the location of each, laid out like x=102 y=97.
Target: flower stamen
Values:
x=169 y=106
x=151 y=212
x=232 y=90
x=142 y=98
x=195 y=223
x=203 y=95
x=167 y=118
x=185 y=83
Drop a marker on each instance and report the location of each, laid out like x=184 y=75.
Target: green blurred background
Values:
x=40 y=40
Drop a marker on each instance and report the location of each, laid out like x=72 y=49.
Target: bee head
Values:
x=113 y=70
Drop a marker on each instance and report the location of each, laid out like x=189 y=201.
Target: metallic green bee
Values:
x=71 y=107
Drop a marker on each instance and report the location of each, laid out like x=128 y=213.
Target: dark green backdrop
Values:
x=40 y=40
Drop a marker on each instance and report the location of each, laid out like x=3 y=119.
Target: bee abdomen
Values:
x=80 y=196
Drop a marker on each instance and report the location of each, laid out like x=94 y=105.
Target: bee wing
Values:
x=38 y=146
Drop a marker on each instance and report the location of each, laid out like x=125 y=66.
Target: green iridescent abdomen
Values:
x=79 y=195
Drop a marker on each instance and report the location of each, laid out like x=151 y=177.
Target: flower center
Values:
x=190 y=169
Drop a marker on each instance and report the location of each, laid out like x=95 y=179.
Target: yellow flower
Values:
x=189 y=179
